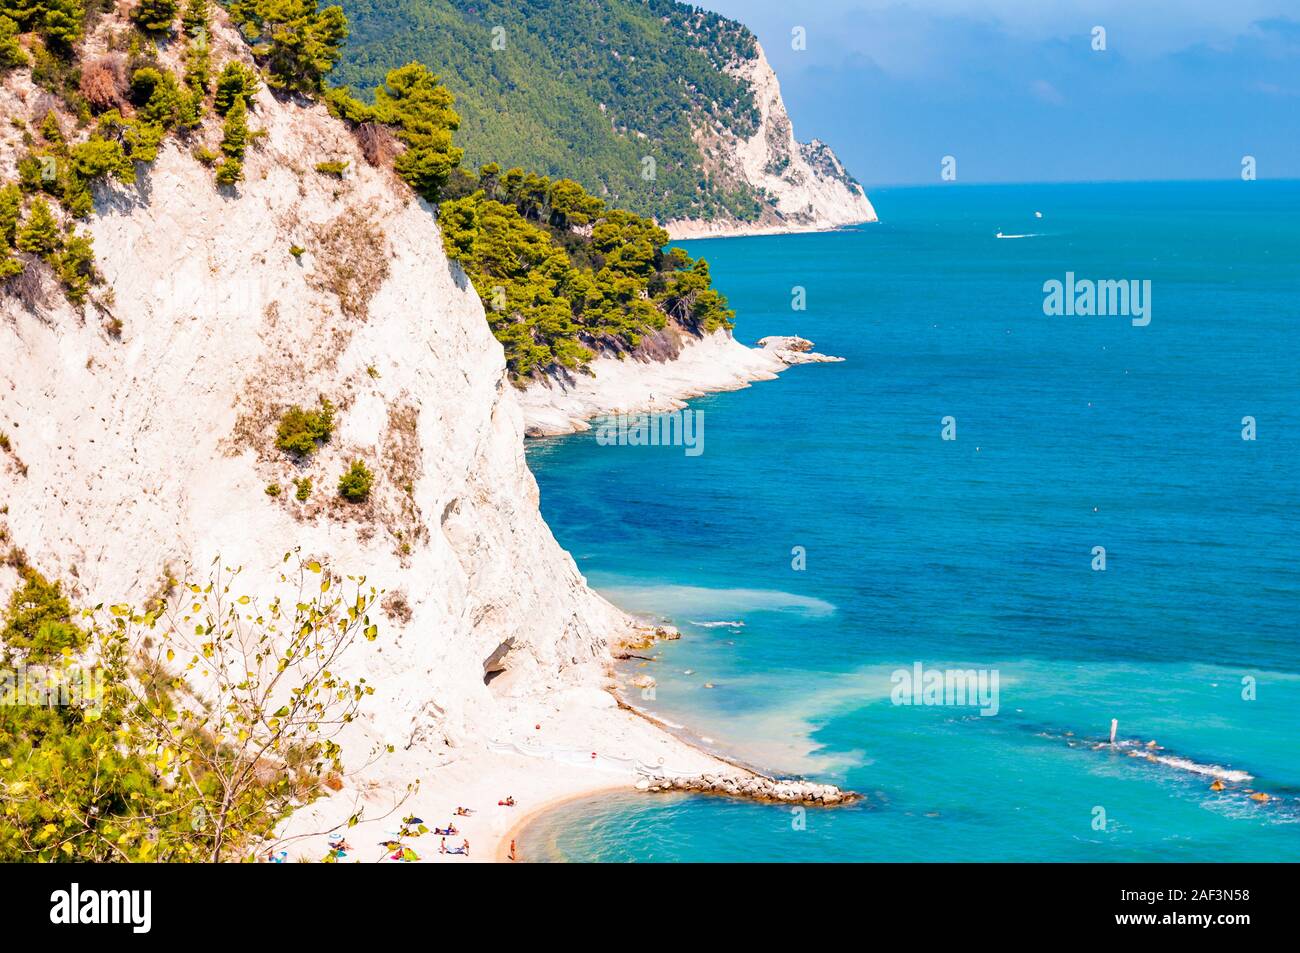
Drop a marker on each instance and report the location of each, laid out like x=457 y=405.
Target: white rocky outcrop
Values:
x=790 y=349
x=734 y=782
x=804 y=186
x=564 y=402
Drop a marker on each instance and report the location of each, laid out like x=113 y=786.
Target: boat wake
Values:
x=1137 y=750
x=1153 y=753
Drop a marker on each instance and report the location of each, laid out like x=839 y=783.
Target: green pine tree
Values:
x=75 y=266
x=234 y=139
x=62 y=22
x=413 y=100
x=11 y=51
x=155 y=16
x=11 y=210
x=230 y=172
x=40 y=234
x=195 y=18
x=234 y=82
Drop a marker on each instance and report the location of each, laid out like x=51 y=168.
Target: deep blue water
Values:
x=976 y=553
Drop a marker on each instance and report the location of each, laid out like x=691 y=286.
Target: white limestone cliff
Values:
x=141 y=431
x=804 y=186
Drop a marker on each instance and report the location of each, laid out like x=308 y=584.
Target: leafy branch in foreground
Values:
x=208 y=722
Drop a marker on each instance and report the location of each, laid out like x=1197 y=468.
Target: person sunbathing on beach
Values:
x=463 y=812
x=449 y=830
x=444 y=849
x=508 y=802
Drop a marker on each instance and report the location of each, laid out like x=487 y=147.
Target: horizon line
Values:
x=948 y=185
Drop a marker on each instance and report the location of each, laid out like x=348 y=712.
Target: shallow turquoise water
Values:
x=1072 y=432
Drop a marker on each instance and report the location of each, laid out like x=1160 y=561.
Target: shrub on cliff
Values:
x=301 y=431
x=157 y=96
x=155 y=16
x=60 y=22
x=38 y=623
x=40 y=234
x=198 y=65
x=236 y=81
x=140 y=140
x=420 y=111
x=51 y=131
x=189 y=108
x=355 y=484
x=230 y=172
x=295 y=41
x=196 y=16
x=103 y=83
x=11 y=51
x=75 y=266
x=415 y=101
x=64 y=22
x=234 y=132
x=11 y=209
x=89 y=161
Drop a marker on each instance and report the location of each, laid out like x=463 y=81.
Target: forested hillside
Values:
x=584 y=89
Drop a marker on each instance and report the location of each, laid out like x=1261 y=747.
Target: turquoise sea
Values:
x=977 y=553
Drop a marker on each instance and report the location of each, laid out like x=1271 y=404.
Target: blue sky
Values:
x=1014 y=90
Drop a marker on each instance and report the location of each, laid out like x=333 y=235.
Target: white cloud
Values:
x=1048 y=93
x=914 y=37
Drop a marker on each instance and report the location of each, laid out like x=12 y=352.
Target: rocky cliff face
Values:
x=804 y=186
x=141 y=432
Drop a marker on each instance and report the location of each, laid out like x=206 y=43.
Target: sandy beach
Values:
x=546 y=749
x=516 y=832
